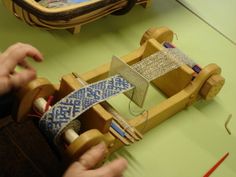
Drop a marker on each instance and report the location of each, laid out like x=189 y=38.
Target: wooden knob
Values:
x=39 y=87
x=160 y=34
x=212 y=87
x=84 y=142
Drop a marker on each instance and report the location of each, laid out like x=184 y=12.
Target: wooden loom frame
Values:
x=97 y=121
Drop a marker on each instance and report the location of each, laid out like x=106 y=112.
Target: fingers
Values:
x=16 y=80
x=17 y=53
x=93 y=156
x=10 y=58
x=84 y=166
x=19 y=79
x=28 y=50
x=113 y=169
x=5 y=85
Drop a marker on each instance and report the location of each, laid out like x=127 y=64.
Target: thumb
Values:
x=5 y=85
x=112 y=169
x=93 y=156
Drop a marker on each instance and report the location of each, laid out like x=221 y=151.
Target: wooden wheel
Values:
x=39 y=87
x=84 y=142
x=212 y=87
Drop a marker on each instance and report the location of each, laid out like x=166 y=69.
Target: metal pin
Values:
x=227 y=123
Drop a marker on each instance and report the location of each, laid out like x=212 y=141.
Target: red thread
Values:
x=37 y=113
x=50 y=98
x=34 y=115
x=216 y=165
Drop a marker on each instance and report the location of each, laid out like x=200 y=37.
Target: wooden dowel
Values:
x=40 y=104
x=69 y=135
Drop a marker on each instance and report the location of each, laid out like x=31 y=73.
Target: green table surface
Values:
x=189 y=143
x=219 y=14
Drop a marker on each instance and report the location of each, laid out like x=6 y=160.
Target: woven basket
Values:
x=71 y=16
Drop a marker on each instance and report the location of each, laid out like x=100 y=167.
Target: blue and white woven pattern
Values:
x=70 y=107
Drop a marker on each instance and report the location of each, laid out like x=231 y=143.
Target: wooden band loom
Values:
x=182 y=86
x=69 y=17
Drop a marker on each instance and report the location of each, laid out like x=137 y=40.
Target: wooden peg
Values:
x=75 y=29
x=212 y=87
x=160 y=34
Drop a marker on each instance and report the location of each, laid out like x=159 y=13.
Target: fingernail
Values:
x=102 y=146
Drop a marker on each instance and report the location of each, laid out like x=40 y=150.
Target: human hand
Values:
x=14 y=56
x=84 y=167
